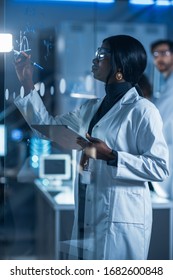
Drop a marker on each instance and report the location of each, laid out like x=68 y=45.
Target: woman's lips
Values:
x=94 y=68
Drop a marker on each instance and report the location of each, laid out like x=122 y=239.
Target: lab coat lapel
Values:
x=128 y=98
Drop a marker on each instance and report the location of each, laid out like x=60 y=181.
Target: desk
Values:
x=55 y=215
x=55 y=220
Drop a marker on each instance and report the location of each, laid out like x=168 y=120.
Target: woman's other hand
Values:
x=96 y=148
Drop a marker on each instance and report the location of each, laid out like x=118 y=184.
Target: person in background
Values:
x=125 y=149
x=162 y=52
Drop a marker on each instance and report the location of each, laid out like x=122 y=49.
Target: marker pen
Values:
x=17 y=54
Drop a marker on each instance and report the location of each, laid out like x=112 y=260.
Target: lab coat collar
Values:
x=130 y=96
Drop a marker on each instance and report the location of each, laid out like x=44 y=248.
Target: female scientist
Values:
x=126 y=149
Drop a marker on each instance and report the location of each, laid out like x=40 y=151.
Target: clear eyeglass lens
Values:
x=101 y=53
x=161 y=53
x=101 y=56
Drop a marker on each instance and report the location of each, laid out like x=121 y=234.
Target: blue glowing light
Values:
x=97 y=1
x=163 y=3
x=16 y=135
x=141 y=2
x=79 y=1
x=152 y=2
x=38 y=147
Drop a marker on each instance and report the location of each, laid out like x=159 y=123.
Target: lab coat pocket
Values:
x=128 y=207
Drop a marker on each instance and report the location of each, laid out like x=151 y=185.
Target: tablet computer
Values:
x=63 y=135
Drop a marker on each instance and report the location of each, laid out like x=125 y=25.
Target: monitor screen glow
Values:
x=55 y=167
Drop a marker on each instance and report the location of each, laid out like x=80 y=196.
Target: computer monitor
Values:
x=2 y=140
x=55 y=167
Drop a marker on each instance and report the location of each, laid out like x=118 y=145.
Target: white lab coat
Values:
x=118 y=212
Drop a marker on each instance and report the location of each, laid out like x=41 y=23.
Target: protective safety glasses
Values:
x=162 y=53
x=101 y=53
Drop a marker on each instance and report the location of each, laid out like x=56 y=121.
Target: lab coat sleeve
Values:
x=151 y=161
x=34 y=112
